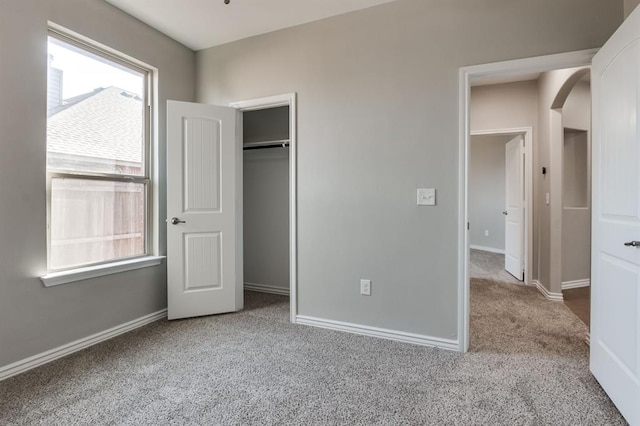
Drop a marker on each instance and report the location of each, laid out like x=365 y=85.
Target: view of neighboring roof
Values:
x=106 y=123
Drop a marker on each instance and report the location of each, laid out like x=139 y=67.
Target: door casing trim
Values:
x=287 y=99
x=527 y=133
x=466 y=75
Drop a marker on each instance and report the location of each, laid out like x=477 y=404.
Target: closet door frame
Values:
x=287 y=99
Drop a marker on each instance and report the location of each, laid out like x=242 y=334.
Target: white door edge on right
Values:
x=615 y=261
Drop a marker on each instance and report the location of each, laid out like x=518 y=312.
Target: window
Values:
x=98 y=182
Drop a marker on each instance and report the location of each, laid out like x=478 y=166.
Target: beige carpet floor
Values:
x=528 y=365
x=490 y=266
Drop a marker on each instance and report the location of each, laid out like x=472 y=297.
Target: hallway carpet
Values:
x=489 y=266
x=528 y=365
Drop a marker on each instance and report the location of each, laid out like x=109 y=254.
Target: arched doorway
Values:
x=569 y=188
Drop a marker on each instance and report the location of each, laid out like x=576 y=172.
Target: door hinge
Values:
x=468 y=226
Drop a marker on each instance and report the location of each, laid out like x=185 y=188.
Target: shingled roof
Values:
x=106 y=124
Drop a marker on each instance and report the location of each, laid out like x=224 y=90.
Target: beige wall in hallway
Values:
x=576 y=222
x=629 y=6
x=499 y=106
x=550 y=148
x=509 y=105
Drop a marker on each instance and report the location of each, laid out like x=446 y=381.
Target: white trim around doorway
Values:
x=466 y=75
x=288 y=99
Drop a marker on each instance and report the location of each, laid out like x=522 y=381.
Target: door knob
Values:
x=175 y=221
x=505 y=213
x=632 y=244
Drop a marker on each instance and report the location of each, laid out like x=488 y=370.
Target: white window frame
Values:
x=85 y=271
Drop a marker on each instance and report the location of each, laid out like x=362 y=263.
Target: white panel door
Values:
x=514 y=212
x=615 y=282
x=201 y=208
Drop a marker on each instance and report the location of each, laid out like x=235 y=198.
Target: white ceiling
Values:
x=200 y=24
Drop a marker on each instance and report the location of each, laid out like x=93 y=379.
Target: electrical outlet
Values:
x=365 y=287
x=486 y=232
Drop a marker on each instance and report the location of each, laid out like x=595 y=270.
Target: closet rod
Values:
x=265 y=145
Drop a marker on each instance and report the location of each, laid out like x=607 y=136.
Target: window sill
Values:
x=64 y=277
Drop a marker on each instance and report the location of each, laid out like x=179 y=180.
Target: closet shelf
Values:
x=266 y=144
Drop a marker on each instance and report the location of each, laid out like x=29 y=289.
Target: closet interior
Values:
x=266 y=199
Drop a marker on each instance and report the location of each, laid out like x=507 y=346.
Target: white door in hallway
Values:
x=203 y=273
x=615 y=284
x=514 y=212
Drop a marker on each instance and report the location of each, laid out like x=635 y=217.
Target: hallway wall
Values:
x=550 y=149
x=576 y=213
x=629 y=6
x=487 y=191
x=509 y=105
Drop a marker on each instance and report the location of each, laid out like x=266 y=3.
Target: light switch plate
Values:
x=426 y=196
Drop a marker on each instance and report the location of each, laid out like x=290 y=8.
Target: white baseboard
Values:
x=489 y=249
x=400 y=336
x=567 y=285
x=64 y=350
x=265 y=288
x=556 y=297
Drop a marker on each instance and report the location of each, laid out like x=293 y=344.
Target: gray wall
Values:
x=34 y=318
x=269 y=124
x=487 y=190
x=378 y=118
x=266 y=217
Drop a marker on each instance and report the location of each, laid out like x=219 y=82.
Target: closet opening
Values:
x=268 y=195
